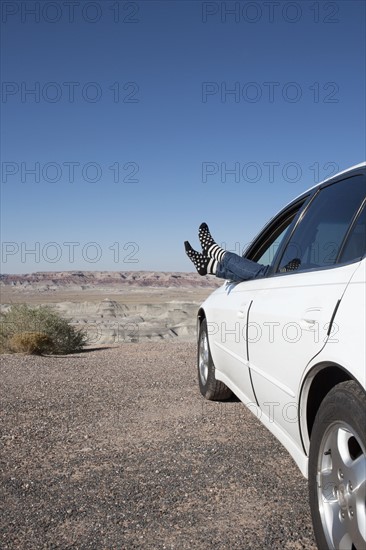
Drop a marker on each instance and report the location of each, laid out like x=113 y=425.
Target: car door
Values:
x=228 y=325
x=290 y=318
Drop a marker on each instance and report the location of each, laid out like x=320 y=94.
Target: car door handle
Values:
x=311 y=316
x=242 y=313
x=309 y=321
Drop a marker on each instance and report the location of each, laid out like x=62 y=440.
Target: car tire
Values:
x=337 y=469
x=211 y=389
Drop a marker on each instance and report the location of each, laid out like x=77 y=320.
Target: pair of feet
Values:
x=205 y=262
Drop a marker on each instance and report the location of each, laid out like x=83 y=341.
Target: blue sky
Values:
x=147 y=118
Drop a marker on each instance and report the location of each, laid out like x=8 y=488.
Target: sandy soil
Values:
x=116 y=449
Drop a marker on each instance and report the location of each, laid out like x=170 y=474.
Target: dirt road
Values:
x=116 y=449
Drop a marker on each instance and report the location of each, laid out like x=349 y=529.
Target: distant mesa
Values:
x=46 y=280
x=114 y=306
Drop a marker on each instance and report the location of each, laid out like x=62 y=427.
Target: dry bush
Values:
x=31 y=343
x=28 y=329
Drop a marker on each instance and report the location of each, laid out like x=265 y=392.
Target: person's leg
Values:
x=209 y=247
x=217 y=261
x=236 y=268
x=203 y=264
x=231 y=266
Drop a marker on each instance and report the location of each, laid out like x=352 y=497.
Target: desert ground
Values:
x=116 y=449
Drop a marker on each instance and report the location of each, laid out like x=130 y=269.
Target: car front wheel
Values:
x=210 y=388
x=337 y=469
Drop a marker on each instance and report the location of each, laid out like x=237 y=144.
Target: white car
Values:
x=291 y=346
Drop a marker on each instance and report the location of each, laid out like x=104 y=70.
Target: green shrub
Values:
x=38 y=330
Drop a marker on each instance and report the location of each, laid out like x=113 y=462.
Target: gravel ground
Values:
x=116 y=448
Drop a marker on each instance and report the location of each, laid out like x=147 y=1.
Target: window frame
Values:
x=275 y=265
x=348 y=236
x=275 y=227
x=299 y=208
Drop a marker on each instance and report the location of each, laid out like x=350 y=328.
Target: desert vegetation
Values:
x=38 y=331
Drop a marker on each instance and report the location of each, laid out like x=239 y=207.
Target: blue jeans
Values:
x=236 y=268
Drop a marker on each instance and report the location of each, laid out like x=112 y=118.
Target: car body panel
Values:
x=346 y=347
x=291 y=326
x=227 y=343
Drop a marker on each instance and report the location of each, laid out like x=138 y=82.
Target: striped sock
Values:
x=203 y=264
x=209 y=246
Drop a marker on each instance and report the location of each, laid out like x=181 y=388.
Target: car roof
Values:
x=343 y=172
x=327 y=180
x=304 y=194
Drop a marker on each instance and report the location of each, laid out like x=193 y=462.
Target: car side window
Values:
x=317 y=239
x=269 y=254
x=355 y=245
x=266 y=246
